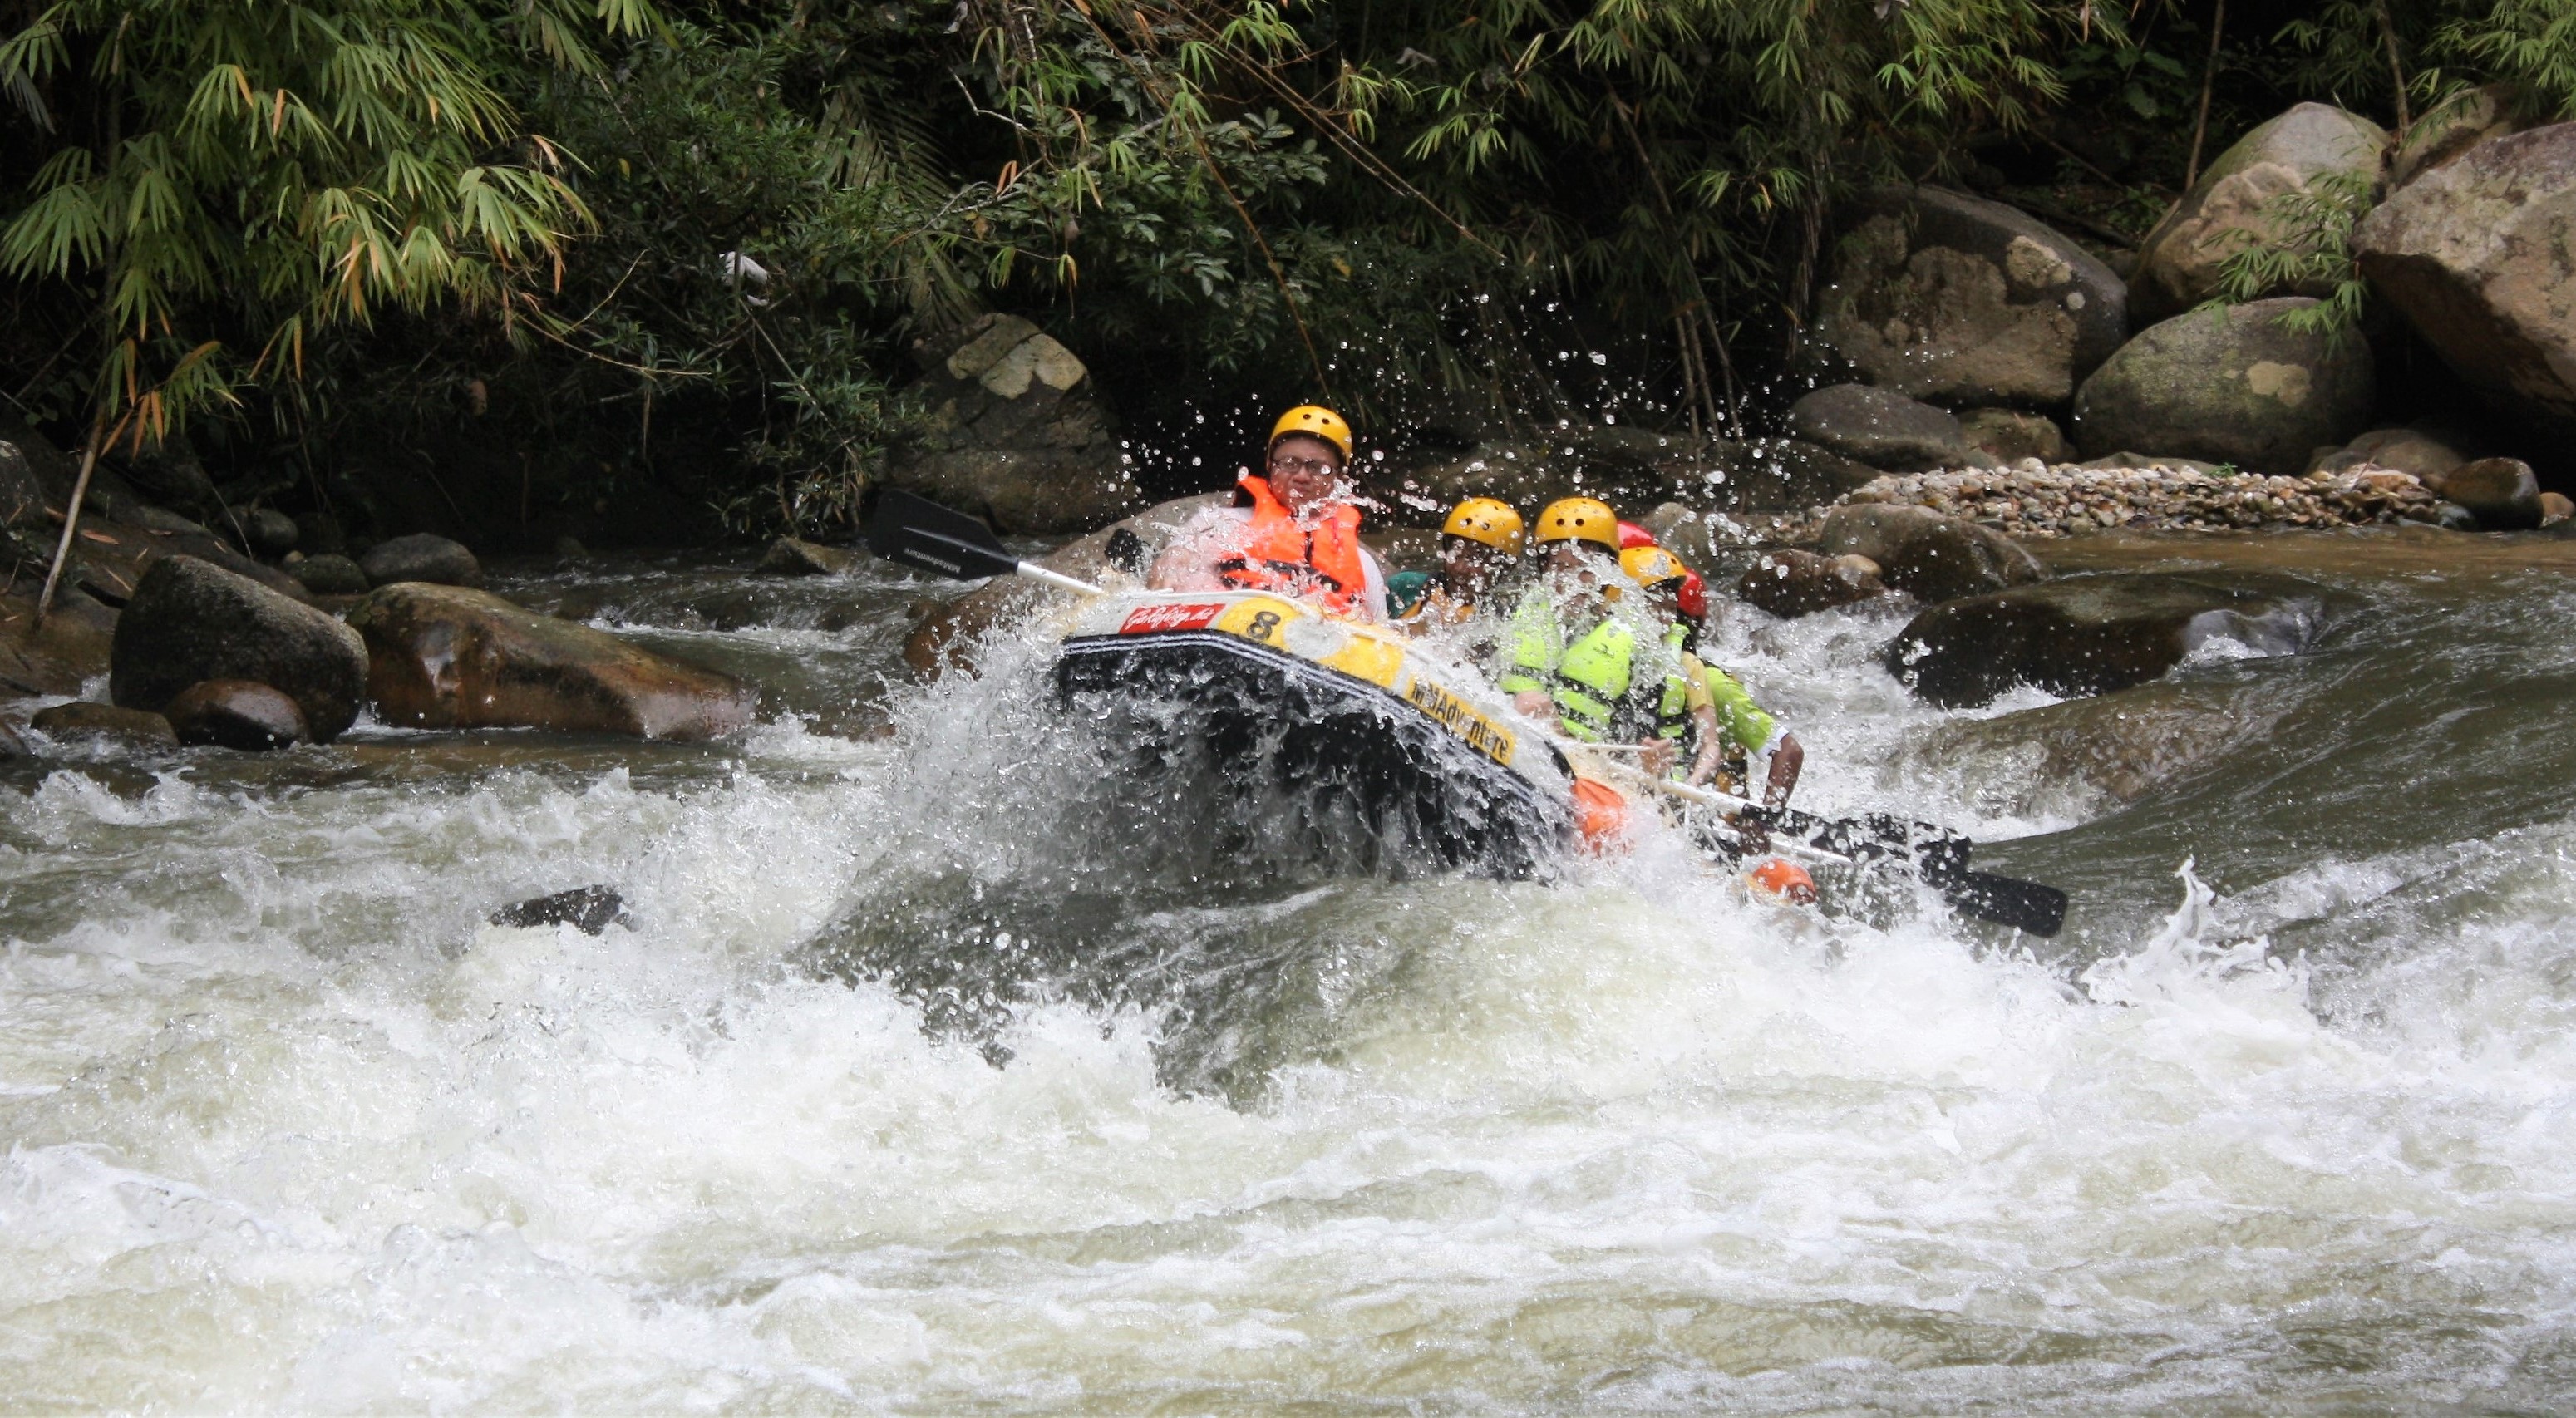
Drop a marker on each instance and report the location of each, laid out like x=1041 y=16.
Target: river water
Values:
x=926 y=1078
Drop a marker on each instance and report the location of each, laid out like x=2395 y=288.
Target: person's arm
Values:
x=1188 y=562
x=1712 y=744
x=1787 y=762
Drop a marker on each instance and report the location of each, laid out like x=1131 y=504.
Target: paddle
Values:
x=1940 y=862
x=928 y=537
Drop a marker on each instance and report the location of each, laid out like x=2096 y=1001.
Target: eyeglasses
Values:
x=1311 y=467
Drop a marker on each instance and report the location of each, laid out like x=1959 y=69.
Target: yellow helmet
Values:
x=1651 y=566
x=1482 y=519
x=1580 y=519
x=1315 y=421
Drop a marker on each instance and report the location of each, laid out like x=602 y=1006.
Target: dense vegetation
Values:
x=653 y=266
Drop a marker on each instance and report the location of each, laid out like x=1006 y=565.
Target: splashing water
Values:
x=928 y=1077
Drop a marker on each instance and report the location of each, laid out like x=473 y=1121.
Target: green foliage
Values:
x=231 y=178
x=2311 y=253
x=2529 y=45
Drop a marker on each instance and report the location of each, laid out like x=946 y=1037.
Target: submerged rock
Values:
x=190 y=620
x=84 y=719
x=588 y=909
x=235 y=713
x=447 y=657
x=422 y=556
x=2231 y=386
x=2086 y=635
x=1792 y=583
x=1939 y=295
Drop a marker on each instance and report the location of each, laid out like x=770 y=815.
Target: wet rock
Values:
x=235 y=713
x=1781 y=473
x=191 y=620
x=793 y=556
x=947 y=638
x=268 y=531
x=82 y=719
x=422 y=556
x=1939 y=295
x=2008 y=435
x=2034 y=500
x=2122 y=746
x=1883 y=429
x=1790 y=583
x=1013 y=432
x=329 y=575
x=11 y=745
x=2447 y=131
x=68 y=651
x=447 y=657
x=2501 y=493
x=2555 y=508
x=2474 y=254
x=2232 y=386
x=1928 y=556
x=2085 y=635
x=2406 y=450
x=588 y=909
x=2239 y=202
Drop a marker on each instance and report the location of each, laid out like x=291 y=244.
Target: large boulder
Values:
x=2008 y=435
x=2087 y=634
x=1013 y=431
x=110 y=557
x=2450 y=128
x=422 y=556
x=2476 y=255
x=1884 y=429
x=1949 y=297
x=235 y=713
x=190 y=620
x=85 y=719
x=66 y=652
x=2428 y=457
x=449 y=657
x=948 y=636
x=1924 y=554
x=2502 y=493
x=2229 y=386
x=2239 y=203
x=1776 y=474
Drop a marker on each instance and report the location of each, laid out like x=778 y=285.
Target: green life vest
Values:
x=1672 y=712
x=1593 y=677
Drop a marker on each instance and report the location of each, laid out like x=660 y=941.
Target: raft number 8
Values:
x=1263 y=626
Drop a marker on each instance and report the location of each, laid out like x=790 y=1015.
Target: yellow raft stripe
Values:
x=1365 y=654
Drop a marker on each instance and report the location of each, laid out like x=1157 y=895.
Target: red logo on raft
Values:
x=1193 y=615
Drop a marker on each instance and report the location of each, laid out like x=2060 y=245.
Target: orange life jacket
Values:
x=1319 y=560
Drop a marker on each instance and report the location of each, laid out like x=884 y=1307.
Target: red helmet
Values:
x=1693 y=596
x=1632 y=536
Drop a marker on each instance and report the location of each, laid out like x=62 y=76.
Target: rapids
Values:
x=929 y=1078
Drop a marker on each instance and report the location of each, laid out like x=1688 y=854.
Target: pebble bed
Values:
x=2032 y=499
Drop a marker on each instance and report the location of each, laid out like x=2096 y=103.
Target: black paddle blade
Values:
x=2006 y=901
x=928 y=537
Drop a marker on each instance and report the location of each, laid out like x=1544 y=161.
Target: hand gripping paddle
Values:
x=928 y=537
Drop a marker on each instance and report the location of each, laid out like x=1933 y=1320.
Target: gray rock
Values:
x=588 y=909
x=2448 y=129
x=448 y=657
x=793 y=556
x=2475 y=255
x=2009 y=435
x=82 y=719
x=1013 y=431
x=2501 y=493
x=2229 y=386
x=1790 y=473
x=1790 y=583
x=1924 y=554
x=2404 y=450
x=1884 y=429
x=2238 y=203
x=2086 y=635
x=190 y=620
x=235 y=713
x=1944 y=296
x=422 y=556
x=329 y=575
x=268 y=531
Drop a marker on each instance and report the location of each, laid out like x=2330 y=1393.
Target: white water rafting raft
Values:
x=1421 y=748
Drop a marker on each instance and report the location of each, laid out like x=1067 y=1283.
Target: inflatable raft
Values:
x=1344 y=718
